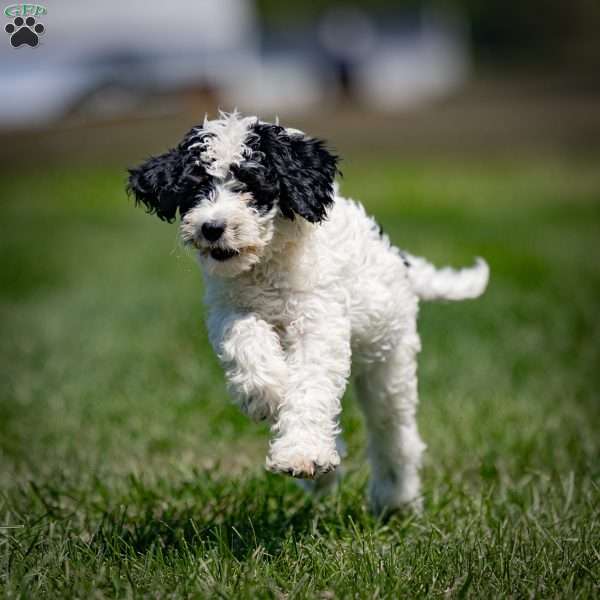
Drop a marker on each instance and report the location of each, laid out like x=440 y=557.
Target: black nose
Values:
x=212 y=231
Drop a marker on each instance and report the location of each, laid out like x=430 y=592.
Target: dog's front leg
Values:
x=255 y=368
x=318 y=359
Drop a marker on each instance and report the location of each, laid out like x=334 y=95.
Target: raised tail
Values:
x=430 y=283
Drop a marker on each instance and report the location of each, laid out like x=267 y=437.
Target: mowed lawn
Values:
x=125 y=471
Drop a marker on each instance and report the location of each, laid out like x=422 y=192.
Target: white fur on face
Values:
x=247 y=232
x=222 y=143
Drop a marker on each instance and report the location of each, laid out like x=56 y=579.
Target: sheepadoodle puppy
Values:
x=302 y=288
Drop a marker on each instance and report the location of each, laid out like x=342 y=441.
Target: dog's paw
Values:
x=398 y=494
x=322 y=486
x=304 y=463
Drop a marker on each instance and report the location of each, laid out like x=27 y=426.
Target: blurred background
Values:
x=466 y=127
x=111 y=80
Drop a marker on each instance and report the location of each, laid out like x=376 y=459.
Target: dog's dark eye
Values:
x=201 y=187
x=203 y=191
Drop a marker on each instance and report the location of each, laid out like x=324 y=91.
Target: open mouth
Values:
x=222 y=254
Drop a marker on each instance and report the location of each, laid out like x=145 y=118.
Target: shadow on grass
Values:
x=238 y=517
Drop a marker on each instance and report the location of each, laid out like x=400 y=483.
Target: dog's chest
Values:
x=275 y=298
x=279 y=292
x=286 y=290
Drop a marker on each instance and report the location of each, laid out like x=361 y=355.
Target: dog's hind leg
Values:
x=387 y=392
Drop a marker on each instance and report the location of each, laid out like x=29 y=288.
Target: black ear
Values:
x=162 y=184
x=305 y=170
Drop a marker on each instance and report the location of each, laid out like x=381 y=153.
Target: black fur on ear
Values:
x=166 y=183
x=305 y=170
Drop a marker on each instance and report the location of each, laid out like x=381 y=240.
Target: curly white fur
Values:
x=322 y=299
x=222 y=142
x=297 y=306
x=447 y=284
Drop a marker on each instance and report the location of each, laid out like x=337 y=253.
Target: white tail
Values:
x=430 y=283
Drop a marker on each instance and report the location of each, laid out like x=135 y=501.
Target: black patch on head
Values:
x=297 y=169
x=405 y=259
x=259 y=180
x=170 y=182
x=294 y=170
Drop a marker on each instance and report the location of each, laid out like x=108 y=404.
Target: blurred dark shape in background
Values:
x=118 y=78
x=500 y=31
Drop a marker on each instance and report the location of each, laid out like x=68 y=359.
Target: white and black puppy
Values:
x=301 y=287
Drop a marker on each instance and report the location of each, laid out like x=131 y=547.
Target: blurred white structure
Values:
x=106 y=58
x=123 y=48
x=415 y=68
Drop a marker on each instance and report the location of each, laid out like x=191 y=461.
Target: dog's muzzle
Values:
x=216 y=252
x=222 y=254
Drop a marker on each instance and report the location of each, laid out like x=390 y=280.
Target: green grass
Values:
x=124 y=470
